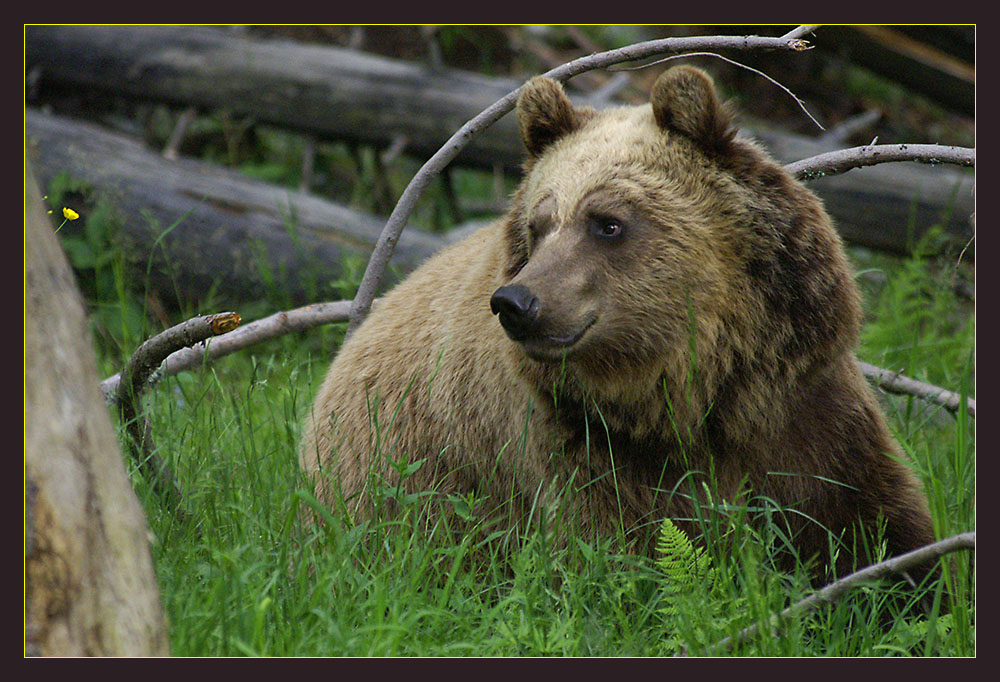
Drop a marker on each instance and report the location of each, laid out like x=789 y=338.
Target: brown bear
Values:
x=665 y=317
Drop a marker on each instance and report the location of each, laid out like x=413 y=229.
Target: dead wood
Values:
x=199 y=227
x=89 y=584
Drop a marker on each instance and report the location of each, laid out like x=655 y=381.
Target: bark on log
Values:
x=328 y=91
x=339 y=93
x=89 y=584
x=227 y=226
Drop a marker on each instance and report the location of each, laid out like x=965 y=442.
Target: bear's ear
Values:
x=684 y=101
x=544 y=114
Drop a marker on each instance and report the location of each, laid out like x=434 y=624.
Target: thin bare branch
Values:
x=801 y=31
x=154 y=351
x=798 y=100
x=375 y=271
x=837 y=590
x=196 y=353
x=850 y=126
x=172 y=148
x=842 y=160
x=894 y=382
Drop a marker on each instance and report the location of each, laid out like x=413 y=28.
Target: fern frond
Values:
x=685 y=565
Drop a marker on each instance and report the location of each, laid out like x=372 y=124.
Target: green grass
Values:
x=252 y=578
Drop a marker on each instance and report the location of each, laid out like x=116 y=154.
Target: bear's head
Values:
x=642 y=237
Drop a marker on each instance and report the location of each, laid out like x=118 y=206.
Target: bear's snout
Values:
x=517 y=309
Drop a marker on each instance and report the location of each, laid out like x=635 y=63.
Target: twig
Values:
x=801 y=31
x=839 y=133
x=840 y=161
x=135 y=379
x=610 y=89
x=255 y=332
x=172 y=149
x=375 y=270
x=894 y=382
x=150 y=354
x=798 y=100
x=397 y=147
x=836 y=590
x=965 y=248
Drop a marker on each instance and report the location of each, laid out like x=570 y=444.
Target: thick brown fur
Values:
x=692 y=320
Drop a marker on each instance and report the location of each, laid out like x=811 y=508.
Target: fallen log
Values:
x=330 y=92
x=343 y=94
x=201 y=226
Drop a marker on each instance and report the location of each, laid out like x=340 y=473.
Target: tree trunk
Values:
x=89 y=584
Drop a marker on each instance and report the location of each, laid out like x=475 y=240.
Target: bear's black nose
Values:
x=517 y=308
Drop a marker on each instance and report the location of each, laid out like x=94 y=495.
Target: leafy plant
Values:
x=687 y=569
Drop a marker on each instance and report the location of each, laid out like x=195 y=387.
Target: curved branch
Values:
x=798 y=100
x=195 y=353
x=136 y=378
x=894 y=382
x=838 y=589
x=148 y=357
x=843 y=160
x=372 y=279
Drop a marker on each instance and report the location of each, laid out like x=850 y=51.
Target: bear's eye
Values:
x=607 y=228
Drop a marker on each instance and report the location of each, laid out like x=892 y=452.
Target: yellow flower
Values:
x=70 y=214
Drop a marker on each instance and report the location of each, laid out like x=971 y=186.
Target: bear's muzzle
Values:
x=517 y=309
